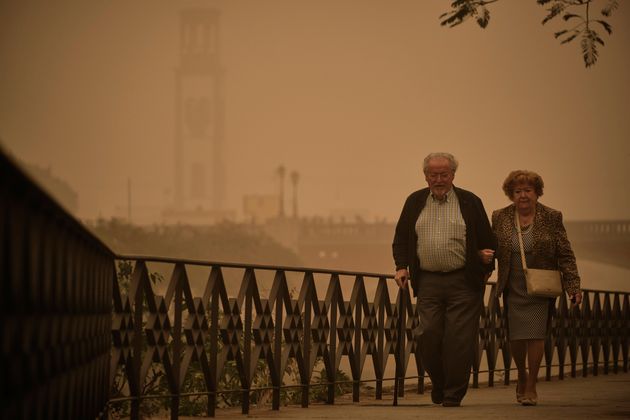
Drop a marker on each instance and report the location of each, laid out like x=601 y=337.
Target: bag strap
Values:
x=520 y=240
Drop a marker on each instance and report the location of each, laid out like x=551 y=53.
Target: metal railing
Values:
x=277 y=327
x=309 y=328
x=55 y=306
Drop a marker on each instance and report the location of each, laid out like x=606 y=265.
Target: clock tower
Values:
x=199 y=185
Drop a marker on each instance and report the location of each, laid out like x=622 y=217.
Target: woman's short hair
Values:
x=452 y=162
x=523 y=177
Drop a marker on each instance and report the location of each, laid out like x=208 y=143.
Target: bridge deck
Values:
x=594 y=397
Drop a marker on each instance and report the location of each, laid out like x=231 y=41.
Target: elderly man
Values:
x=443 y=245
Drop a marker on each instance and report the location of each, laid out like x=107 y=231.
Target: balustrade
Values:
x=185 y=333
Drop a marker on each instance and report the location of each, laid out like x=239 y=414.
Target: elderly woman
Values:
x=546 y=246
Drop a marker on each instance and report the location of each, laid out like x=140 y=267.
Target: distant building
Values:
x=344 y=245
x=346 y=215
x=199 y=176
x=197 y=216
x=58 y=188
x=260 y=208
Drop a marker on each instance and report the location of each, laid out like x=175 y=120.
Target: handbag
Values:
x=542 y=283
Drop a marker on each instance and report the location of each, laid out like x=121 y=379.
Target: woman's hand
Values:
x=486 y=255
x=576 y=298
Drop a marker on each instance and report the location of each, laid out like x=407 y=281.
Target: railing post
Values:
x=280 y=295
x=399 y=383
x=561 y=332
x=574 y=337
x=490 y=337
x=177 y=344
x=625 y=330
x=596 y=329
x=333 y=299
x=216 y=279
x=586 y=332
x=306 y=349
x=136 y=292
x=249 y=279
x=616 y=330
x=356 y=360
x=380 y=309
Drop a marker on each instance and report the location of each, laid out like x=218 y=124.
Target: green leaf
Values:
x=559 y=33
x=568 y=16
x=610 y=8
x=459 y=3
x=606 y=26
x=459 y=15
x=464 y=9
x=484 y=18
x=554 y=11
x=589 y=48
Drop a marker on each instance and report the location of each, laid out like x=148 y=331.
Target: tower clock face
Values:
x=198 y=106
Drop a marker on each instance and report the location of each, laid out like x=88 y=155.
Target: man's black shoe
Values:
x=437 y=397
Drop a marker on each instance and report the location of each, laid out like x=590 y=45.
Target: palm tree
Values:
x=281 y=172
x=295 y=177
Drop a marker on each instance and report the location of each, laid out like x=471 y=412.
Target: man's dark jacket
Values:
x=479 y=236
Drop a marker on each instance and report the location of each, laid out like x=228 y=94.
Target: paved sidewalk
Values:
x=604 y=396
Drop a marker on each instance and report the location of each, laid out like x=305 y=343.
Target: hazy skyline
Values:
x=351 y=94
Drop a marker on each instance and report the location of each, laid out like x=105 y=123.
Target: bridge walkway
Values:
x=593 y=397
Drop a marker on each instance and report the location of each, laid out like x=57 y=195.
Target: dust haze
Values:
x=349 y=94
x=341 y=99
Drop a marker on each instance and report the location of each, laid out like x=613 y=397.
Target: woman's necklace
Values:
x=527 y=220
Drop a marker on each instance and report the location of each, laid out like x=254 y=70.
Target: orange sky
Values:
x=352 y=94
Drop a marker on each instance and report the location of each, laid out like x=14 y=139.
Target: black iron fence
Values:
x=326 y=319
x=281 y=326
x=85 y=332
x=55 y=306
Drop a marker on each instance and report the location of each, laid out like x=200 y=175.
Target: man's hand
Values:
x=401 y=278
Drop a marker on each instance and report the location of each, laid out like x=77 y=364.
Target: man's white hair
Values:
x=451 y=160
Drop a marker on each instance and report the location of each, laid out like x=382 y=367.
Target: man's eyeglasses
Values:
x=435 y=177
